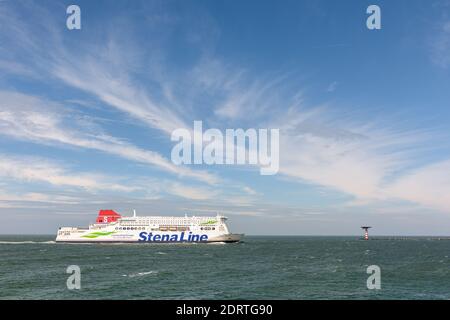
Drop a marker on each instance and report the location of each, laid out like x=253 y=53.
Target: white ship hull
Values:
x=157 y=237
x=110 y=227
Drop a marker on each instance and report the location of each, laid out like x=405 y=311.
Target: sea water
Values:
x=262 y=267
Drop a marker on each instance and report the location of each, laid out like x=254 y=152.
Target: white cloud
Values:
x=41 y=170
x=440 y=46
x=106 y=71
x=249 y=190
x=360 y=157
x=368 y=162
x=242 y=99
x=428 y=185
x=110 y=86
x=193 y=193
x=33 y=170
x=32 y=118
x=17 y=198
x=332 y=87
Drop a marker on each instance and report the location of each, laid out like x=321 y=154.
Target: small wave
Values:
x=78 y=243
x=140 y=274
x=27 y=242
x=159 y=252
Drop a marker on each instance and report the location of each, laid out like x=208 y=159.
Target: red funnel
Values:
x=107 y=216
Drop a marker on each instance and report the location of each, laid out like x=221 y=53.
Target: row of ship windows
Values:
x=155 y=229
x=162 y=222
x=163 y=228
x=157 y=223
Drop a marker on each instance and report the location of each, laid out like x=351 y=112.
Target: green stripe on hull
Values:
x=97 y=234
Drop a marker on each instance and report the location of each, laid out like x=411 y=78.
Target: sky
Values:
x=86 y=116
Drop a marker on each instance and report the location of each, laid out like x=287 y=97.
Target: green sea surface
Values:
x=262 y=267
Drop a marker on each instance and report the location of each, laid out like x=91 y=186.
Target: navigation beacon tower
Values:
x=366 y=232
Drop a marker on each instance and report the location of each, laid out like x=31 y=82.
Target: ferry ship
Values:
x=110 y=226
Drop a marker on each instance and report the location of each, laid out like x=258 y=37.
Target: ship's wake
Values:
x=27 y=242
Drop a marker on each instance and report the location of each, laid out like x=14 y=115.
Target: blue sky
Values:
x=86 y=115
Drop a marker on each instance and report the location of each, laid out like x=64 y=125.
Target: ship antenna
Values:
x=134 y=213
